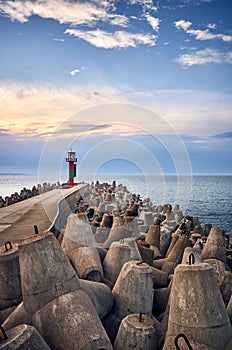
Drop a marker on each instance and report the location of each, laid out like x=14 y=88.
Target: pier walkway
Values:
x=18 y=220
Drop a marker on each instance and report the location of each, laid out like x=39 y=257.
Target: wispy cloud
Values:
x=35 y=110
x=119 y=20
x=74 y=72
x=118 y=39
x=63 y=11
x=58 y=39
x=154 y=22
x=40 y=107
x=200 y=57
x=147 y=4
x=201 y=34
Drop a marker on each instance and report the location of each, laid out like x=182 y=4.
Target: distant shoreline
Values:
x=18 y=174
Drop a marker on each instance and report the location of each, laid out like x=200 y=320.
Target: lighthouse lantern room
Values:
x=71 y=159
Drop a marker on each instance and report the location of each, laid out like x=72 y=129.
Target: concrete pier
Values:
x=17 y=220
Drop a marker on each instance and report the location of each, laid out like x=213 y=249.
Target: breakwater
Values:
x=26 y=193
x=123 y=273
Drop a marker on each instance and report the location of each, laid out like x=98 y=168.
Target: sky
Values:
x=132 y=86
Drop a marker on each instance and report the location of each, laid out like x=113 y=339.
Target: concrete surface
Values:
x=17 y=220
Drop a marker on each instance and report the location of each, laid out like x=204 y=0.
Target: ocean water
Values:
x=207 y=197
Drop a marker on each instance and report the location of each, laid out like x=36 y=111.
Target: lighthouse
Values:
x=71 y=159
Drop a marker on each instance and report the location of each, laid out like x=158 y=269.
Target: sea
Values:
x=209 y=198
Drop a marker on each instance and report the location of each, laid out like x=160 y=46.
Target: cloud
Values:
x=37 y=108
x=118 y=39
x=205 y=113
x=204 y=56
x=207 y=35
x=154 y=22
x=212 y=26
x=57 y=39
x=74 y=72
x=63 y=11
x=225 y=135
x=182 y=24
x=201 y=34
x=119 y=20
x=147 y=4
x=228 y=57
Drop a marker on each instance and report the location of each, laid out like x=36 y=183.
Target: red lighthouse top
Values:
x=71 y=157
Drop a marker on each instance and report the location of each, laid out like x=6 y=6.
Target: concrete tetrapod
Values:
x=187 y=255
x=197 y=308
x=19 y=316
x=174 y=256
x=136 y=332
x=10 y=282
x=78 y=233
x=229 y=309
x=135 y=254
x=117 y=255
x=87 y=263
x=215 y=246
x=118 y=233
x=46 y=272
x=23 y=337
x=133 y=290
x=133 y=293
x=71 y=322
x=153 y=235
x=170 y=344
x=226 y=286
x=5 y=313
x=100 y=295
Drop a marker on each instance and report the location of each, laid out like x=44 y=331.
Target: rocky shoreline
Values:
x=123 y=274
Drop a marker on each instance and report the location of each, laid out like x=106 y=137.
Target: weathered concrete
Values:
x=218 y=267
x=117 y=255
x=170 y=344
x=160 y=278
x=133 y=293
x=78 y=233
x=23 y=337
x=229 y=309
x=41 y=255
x=187 y=255
x=197 y=308
x=100 y=295
x=153 y=235
x=225 y=285
x=118 y=233
x=136 y=332
x=19 y=316
x=174 y=255
x=71 y=322
x=133 y=290
x=161 y=297
x=134 y=254
x=101 y=234
x=5 y=313
x=10 y=282
x=215 y=247
x=87 y=263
